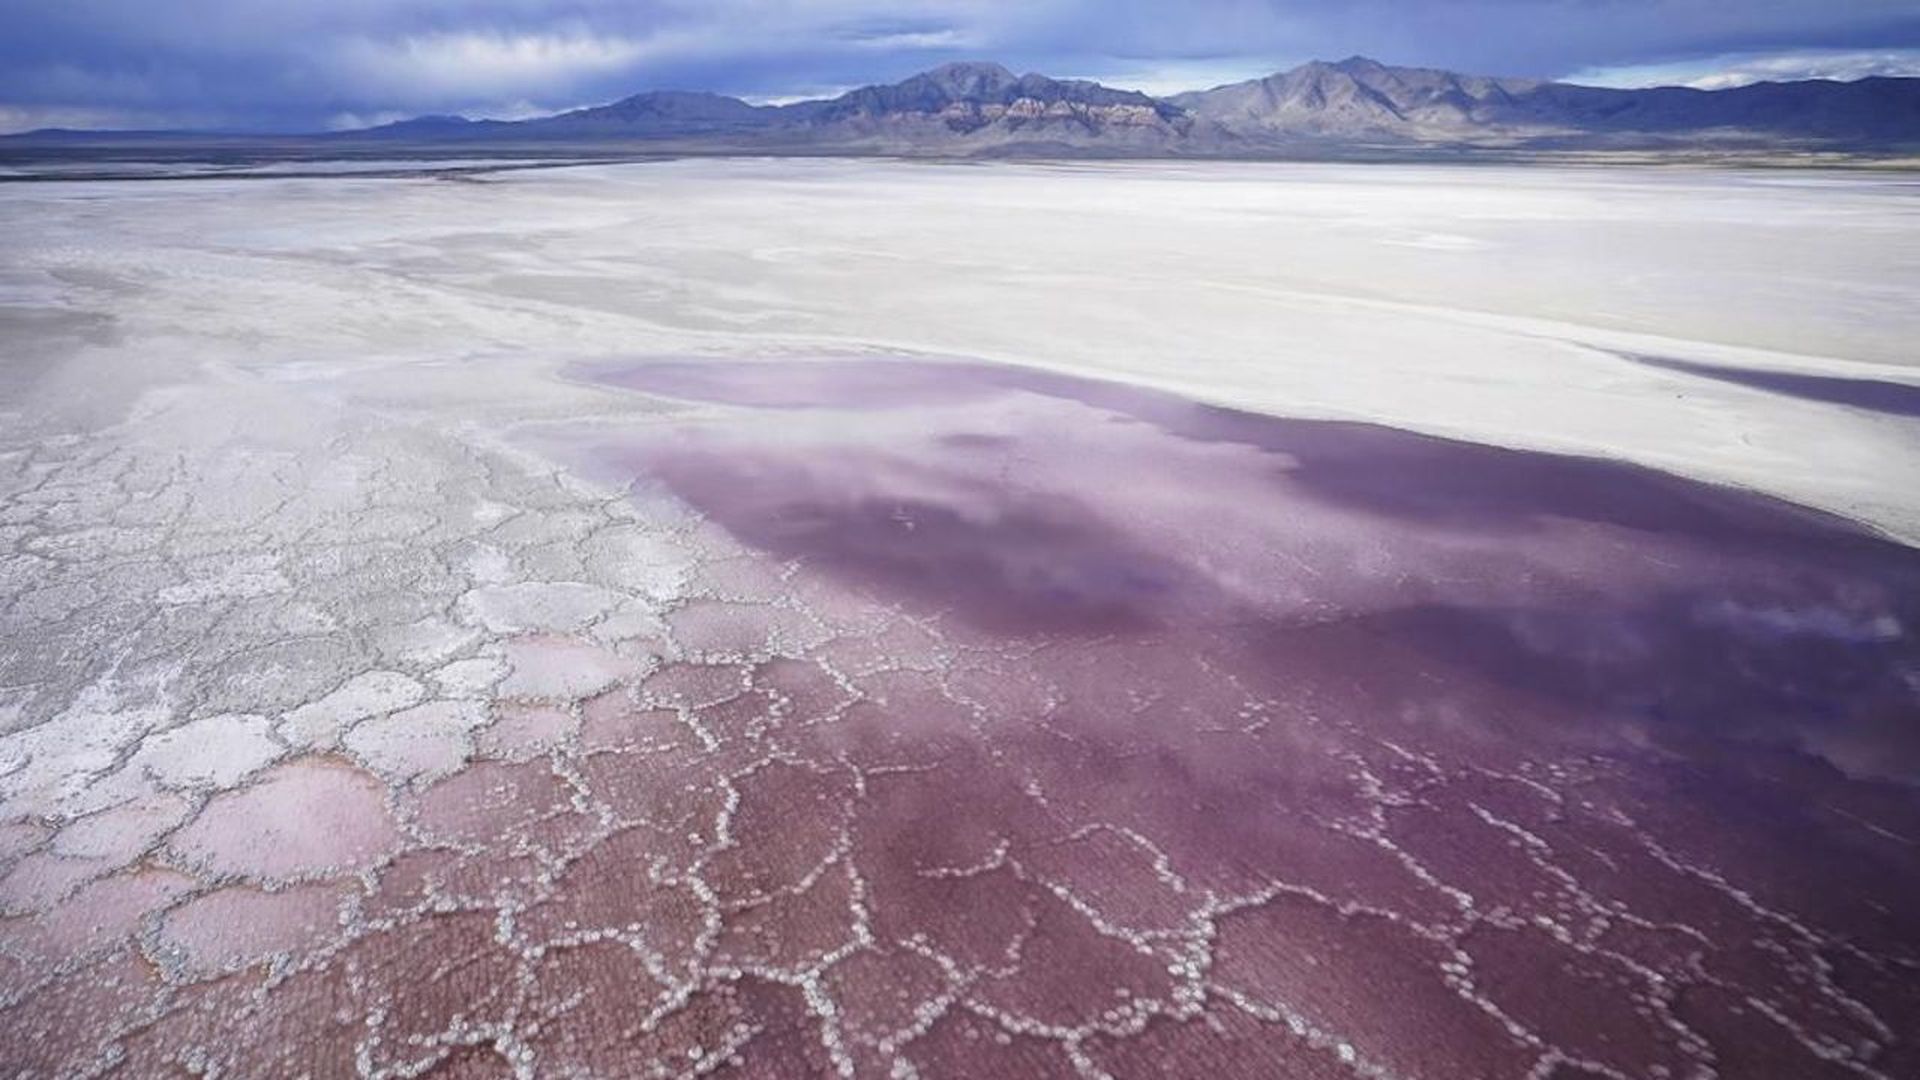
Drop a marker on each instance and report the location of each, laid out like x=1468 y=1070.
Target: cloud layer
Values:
x=1740 y=69
x=305 y=64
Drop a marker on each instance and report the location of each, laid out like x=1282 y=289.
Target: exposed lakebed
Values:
x=946 y=719
x=1163 y=718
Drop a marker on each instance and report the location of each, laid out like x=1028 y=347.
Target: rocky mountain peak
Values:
x=968 y=80
x=1357 y=65
x=983 y=107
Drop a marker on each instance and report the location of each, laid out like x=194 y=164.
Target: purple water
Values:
x=1018 y=725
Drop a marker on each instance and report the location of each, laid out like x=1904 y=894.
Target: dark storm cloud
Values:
x=308 y=63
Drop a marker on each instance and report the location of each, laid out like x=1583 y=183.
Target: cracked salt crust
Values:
x=335 y=732
x=216 y=751
x=533 y=607
x=363 y=696
x=423 y=741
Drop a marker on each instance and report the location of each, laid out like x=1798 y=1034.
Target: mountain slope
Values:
x=1356 y=104
x=986 y=103
x=1867 y=111
x=661 y=112
x=982 y=108
x=956 y=108
x=1361 y=100
x=1353 y=98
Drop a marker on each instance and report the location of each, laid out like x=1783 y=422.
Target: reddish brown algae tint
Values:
x=995 y=723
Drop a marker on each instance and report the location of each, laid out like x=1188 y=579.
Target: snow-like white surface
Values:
x=54 y=170
x=1487 y=303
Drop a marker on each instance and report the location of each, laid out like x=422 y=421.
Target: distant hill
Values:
x=1356 y=98
x=660 y=113
x=977 y=109
x=985 y=104
x=1362 y=100
x=970 y=106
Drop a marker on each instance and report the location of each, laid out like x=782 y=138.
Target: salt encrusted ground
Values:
x=396 y=676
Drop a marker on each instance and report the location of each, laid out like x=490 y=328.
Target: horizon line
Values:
x=782 y=102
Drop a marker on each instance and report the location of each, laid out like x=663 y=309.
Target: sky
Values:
x=307 y=65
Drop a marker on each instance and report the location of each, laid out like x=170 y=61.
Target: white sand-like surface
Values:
x=272 y=448
x=1487 y=303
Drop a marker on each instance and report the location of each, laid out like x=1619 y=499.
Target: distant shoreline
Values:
x=227 y=160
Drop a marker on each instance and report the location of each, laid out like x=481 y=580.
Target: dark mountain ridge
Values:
x=977 y=102
x=1360 y=100
x=965 y=109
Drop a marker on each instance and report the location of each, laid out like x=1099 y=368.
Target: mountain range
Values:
x=983 y=109
x=957 y=108
x=1362 y=99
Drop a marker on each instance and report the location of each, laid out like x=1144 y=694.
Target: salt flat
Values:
x=1490 y=303
x=610 y=618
